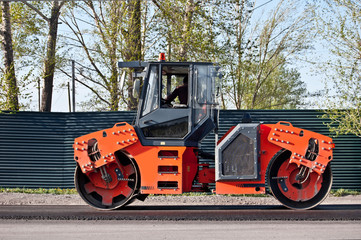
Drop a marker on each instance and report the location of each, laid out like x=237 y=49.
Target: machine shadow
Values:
x=202 y=207
x=333 y=207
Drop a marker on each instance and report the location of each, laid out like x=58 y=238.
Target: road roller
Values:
x=159 y=153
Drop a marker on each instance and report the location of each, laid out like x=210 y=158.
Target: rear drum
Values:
x=292 y=190
x=112 y=194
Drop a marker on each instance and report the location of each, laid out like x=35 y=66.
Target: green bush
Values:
x=39 y=190
x=344 y=192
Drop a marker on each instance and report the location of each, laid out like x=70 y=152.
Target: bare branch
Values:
x=87 y=86
x=36 y=10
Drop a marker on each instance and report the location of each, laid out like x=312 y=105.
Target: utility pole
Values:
x=73 y=81
x=69 y=101
x=39 y=94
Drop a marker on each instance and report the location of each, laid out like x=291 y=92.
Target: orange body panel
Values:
x=275 y=137
x=171 y=170
x=149 y=159
x=296 y=140
x=109 y=140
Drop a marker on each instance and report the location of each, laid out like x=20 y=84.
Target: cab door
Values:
x=157 y=122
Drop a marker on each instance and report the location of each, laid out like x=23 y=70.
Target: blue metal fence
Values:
x=36 y=148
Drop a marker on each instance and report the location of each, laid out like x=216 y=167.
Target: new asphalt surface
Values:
x=350 y=212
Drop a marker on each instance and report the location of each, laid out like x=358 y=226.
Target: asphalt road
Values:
x=350 y=212
x=195 y=230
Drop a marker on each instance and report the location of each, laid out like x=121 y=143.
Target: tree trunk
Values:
x=49 y=64
x=114 y=90
x=186 y=32
x=12 y=102
x=133 y=45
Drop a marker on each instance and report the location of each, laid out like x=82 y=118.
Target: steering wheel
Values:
x=165 y=104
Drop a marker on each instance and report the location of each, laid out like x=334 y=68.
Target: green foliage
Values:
x=257 y=53
x=186 y=30
x=8 y=78
x=254 y=53
x=2 y=95
x=57 y=191
x=341 y=28
x=344 y=192
x=9 y=99
x=344 y=121
x=27 y=30
x=100 y=29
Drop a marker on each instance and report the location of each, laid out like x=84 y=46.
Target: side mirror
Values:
x=136 y=88
x=217 y=91
x=218 y=82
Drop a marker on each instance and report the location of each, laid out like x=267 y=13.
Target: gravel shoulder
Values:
x=74 y=199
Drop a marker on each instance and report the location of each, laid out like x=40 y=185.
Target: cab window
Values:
x=151 y=102
x=175 y=86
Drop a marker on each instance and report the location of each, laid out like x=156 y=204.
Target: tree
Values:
x=9 y=77
x=50 y=57
x=258 y=55
x=254 y=56
x=129 y=31
x=27 y=38
x=282 y=90
x=184 y=30
x=341 y=29
x=116 y=34
x=133 y=44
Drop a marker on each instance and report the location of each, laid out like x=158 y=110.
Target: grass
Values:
x=195 y=194
x=344 y=192
x=57 y=191
x=191 y=194
x=60 y=191
x=337 y=193
x=248 y=195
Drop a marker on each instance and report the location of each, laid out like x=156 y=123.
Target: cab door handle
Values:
x=149 y=121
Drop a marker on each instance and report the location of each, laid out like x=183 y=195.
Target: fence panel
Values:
x=36 y=148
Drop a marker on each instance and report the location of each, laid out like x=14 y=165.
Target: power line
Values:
x=262 y=5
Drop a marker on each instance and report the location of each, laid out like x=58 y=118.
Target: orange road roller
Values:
x=159 y=153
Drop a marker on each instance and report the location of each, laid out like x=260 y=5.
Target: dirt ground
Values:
x=74 y=199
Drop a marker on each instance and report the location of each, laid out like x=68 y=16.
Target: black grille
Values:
x=237 y=153
x=238 y=157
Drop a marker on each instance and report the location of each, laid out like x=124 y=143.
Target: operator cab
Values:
x=190 y=116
